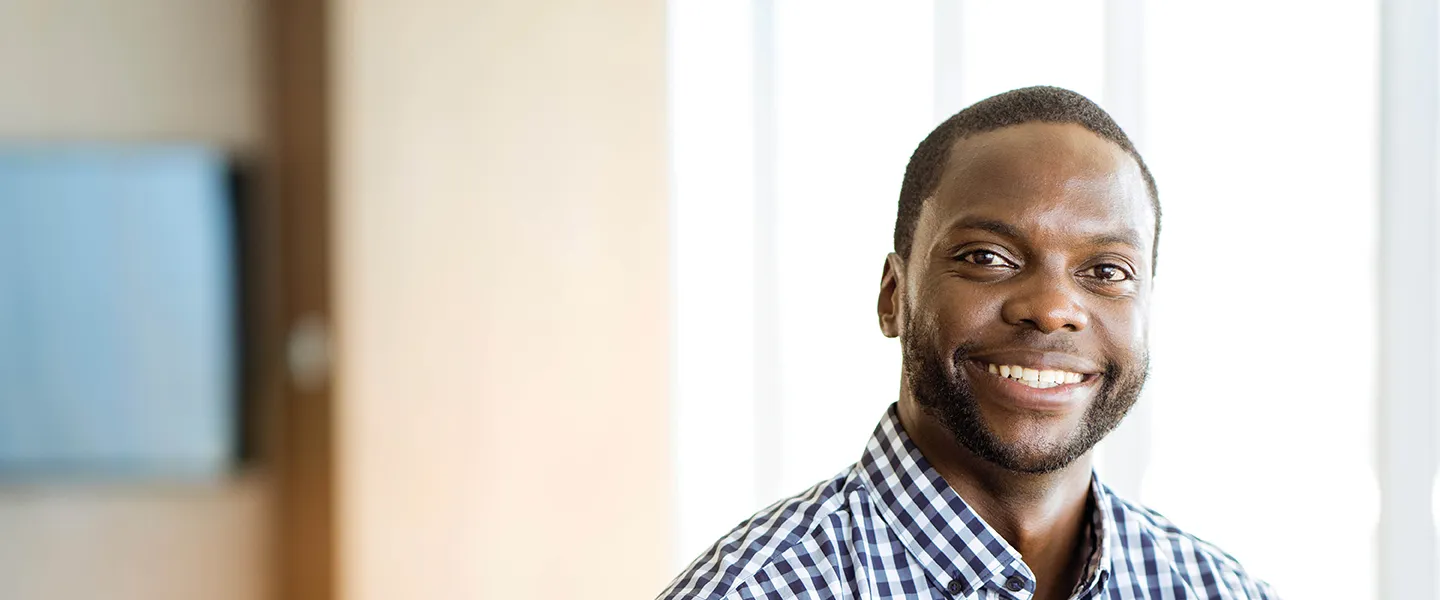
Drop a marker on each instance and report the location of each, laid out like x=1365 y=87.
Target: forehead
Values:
x=1051 y=178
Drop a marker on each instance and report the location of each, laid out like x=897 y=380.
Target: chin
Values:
x=1033 y=459
x=1029 y=432
x=1033 y=445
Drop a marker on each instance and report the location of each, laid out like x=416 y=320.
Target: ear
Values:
x=891 y=305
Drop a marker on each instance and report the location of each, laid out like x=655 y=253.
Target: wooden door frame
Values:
x=301 y=417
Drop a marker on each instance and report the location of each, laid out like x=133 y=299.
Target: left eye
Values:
x=1108 y=273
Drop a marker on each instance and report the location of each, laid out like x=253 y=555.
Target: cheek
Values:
x=961 y=311
x=1124 y=327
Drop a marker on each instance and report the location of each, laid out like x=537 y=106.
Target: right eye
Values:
x=985 y=258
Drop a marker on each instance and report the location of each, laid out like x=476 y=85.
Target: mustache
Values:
x=1030 y=340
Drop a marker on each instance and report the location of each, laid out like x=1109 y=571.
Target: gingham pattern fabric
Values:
x=891 y=527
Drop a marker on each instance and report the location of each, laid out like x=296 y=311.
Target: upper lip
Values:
x=1039 y=360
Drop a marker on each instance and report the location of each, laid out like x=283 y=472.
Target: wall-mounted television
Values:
x=119 y=348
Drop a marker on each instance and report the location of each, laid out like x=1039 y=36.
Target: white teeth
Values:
x=1035 y=378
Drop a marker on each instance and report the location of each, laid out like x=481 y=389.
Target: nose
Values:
x=1046 y=304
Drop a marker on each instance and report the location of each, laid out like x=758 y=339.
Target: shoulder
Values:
x=1152 y=546
x=799 y=532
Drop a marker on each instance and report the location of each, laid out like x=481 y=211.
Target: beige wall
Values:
x=134 y=541
x=134 y=70
x=131 y=70
x=502 y=299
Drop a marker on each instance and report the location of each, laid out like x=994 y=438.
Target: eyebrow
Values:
x=996 y=227
x=1001 y=228
x=1128 y=238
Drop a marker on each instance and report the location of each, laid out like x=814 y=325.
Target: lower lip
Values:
x=1061 y=398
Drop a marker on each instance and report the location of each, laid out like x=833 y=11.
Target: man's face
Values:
x=1033 y=257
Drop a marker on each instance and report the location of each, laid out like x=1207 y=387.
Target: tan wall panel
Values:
x=501 y=224
x=132 y=70
x=135 y=542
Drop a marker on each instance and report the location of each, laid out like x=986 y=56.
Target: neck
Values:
x=1041 y=515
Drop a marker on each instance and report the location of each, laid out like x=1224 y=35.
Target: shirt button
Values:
x=1014 y=584
x=955 y=586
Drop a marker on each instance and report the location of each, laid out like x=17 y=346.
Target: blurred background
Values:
x=363 y=299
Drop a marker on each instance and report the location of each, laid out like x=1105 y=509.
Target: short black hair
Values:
x=1043 y=104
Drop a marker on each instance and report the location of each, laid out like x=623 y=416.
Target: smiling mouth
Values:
x=1033 y=377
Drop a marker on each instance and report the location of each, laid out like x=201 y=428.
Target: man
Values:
x=1020 y=291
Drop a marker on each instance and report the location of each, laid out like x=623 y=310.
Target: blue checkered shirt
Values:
x=891 y=527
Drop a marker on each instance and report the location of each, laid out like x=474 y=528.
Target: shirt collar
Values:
x=1097 y=565
x=949 y=540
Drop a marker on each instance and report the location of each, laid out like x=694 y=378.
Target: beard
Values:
x=946 y=396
